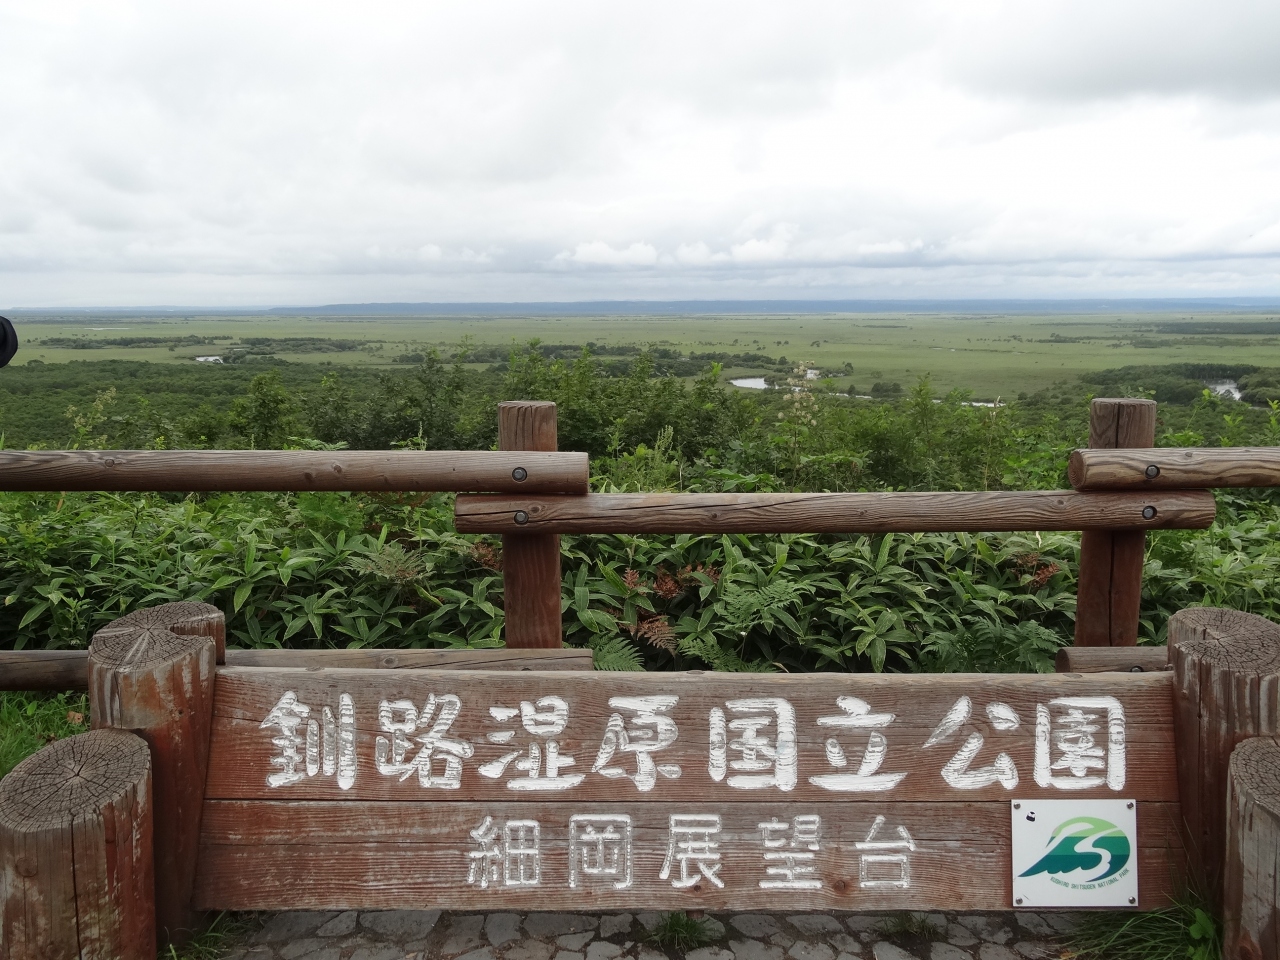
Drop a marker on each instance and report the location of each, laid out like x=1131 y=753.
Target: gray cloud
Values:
x=1227 y=49
x=288 y=152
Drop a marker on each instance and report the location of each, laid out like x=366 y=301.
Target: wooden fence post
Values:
x=76 y=875
x=1251 y=900
x=1109 y=586
x=152 y=672
x=1227 y=689
x=530 y=562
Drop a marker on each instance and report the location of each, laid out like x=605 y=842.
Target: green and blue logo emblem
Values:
x=1089 y=844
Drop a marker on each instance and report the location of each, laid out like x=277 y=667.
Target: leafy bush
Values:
x=388 y=570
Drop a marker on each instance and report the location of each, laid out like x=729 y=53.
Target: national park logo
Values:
x=1097 y=848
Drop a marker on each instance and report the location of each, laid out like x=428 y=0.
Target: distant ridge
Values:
x=661 y=308
x=640 y=308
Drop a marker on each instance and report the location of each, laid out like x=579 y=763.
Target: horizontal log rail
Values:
x=1112 y=660
x=833 y=512
x=278 y=470
x=1172 y=468
x=69 y=669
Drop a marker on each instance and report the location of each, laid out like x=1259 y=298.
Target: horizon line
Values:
x=635 y=306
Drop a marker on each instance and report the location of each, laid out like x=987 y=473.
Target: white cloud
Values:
x=298 y=152
x=598 y=252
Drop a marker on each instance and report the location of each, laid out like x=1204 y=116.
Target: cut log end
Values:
x=1255 y=768
x=76 y=869
x=1243 y=642
x=154 y=635
x=72 y=778
x=1251 y=905
x=1075 y=469
x=1227 y=671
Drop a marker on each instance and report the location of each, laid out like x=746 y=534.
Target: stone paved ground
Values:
x=433 y=935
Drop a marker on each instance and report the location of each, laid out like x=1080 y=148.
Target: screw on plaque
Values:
x=521 y=517
x=1018 y=901
x=1152 y=472
x=1133 y=899
x=1148 y=513
x=519 y=474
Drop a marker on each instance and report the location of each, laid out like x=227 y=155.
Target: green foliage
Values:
x=1185 y=929
x=290 y=569
x=265 y=415
x=388 y=570
x=29 y=721
x=679 y=931
x=226 y=931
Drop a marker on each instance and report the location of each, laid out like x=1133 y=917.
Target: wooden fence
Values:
x=368 y=779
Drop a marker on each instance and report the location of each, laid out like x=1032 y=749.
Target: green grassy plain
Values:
x=991 y=356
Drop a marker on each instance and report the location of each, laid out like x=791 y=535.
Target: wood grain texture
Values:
x=833 y=512
x=366 y=470
x=243 y=749
x=75 y=851
x=1227 y=674
x=1128 y=554
x=69 y=669
x=1174 y=468
x=565 y=658
x=44 y=670
x=1109 y=586
x=1093 y=589
x=185 y=618
x=261 y=855
x=530 y=563
x=1121 y=422
x=1112 y=660
x=145 y=678
x=1251 y=903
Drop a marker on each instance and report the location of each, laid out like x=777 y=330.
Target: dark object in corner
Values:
x=8 y=341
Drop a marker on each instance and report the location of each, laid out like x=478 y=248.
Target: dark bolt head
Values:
x=1152 y=472
x=521 y=517
x=1018 y=901
x=519 y=474
x=1133 y=899
x=1148 y=513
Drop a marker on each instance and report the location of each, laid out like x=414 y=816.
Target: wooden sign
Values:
x=471 y=790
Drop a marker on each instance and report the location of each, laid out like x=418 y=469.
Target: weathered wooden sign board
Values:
x=472 y=790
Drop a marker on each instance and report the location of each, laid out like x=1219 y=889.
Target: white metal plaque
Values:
x=1075 y=853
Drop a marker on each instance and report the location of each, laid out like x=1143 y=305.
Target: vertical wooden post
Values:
x=75 y=852
x=1251 y=898
x=1109 y=586
x=1227 y=689
x=530 y=562
x=146 y=676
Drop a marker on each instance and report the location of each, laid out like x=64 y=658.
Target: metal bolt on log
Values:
x=530 y=562
x=1109 y=590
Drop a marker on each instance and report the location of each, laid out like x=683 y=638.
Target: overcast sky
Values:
x=269 y=153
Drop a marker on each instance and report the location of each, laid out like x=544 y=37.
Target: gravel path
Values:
x=433 y=935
